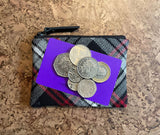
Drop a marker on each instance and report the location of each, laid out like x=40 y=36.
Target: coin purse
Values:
x=114 y=46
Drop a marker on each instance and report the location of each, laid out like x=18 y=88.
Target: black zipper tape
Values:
x=107 y=36
x=50 y=30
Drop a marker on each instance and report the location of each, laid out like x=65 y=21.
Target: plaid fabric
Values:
x=112 y=46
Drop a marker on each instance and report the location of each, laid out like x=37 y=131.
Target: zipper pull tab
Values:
x=49 y=30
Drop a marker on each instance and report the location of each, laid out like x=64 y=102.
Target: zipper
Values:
x=49 y=30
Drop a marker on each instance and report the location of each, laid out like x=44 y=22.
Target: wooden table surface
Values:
x=138 y=20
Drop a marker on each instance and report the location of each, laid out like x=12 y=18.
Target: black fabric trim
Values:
x=93 y=46
x=87 y=36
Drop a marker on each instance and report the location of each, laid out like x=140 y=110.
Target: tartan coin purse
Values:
x=115 y=46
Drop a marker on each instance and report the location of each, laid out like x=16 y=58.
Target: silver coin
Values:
x=78 y=52
x=87 y=67
x=87 y=88
x=62 y=64
x=72 y=86
x=73 y=74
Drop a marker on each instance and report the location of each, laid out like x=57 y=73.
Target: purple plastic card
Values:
x=48 y=77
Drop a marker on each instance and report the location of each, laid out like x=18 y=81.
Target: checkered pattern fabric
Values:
x=112 y=46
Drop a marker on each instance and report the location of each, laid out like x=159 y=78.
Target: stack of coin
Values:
x=82 y=70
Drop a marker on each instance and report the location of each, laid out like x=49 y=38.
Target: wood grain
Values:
x=139 y=20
